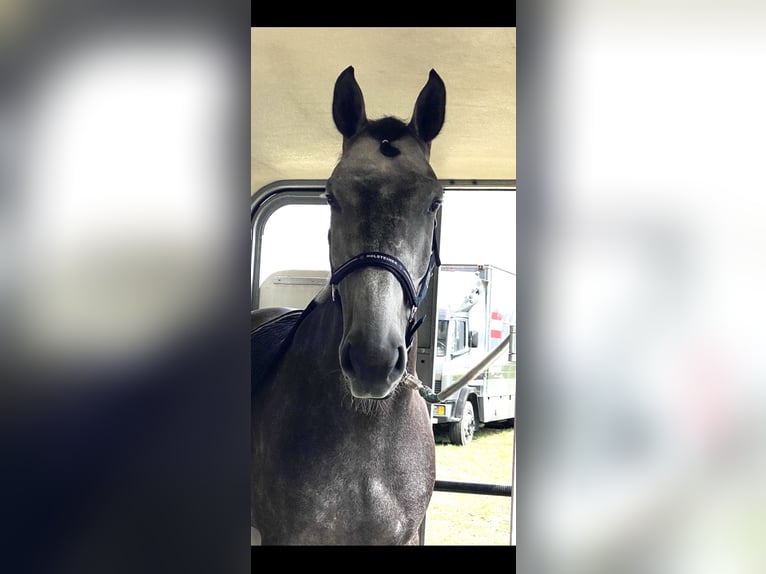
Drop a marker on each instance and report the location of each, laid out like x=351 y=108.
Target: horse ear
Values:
x=428 y=117
x=348 y=104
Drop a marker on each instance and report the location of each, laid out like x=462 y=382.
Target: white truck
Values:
x=476 y=311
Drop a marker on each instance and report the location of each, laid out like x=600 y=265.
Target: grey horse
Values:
x=343 y=451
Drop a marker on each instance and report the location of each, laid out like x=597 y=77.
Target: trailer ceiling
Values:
x=294 y=71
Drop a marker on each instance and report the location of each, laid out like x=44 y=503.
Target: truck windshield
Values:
x=441 y=338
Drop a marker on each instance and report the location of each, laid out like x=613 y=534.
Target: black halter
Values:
x=398 y=269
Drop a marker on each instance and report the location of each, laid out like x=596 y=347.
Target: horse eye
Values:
x=435 y=205
x=331 y=201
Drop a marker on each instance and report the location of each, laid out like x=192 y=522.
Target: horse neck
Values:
x=311 y=364
x=320 y=333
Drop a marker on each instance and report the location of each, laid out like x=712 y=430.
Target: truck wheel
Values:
x=461 y=432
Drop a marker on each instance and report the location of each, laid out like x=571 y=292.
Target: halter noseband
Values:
x=398 y=269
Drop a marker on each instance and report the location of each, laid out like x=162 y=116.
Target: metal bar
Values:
x=513 y=503
x=473 y=488
x=422 y=533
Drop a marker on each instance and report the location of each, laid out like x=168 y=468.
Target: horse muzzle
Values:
x=372 y=370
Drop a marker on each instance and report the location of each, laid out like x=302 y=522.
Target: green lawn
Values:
x=469 y=519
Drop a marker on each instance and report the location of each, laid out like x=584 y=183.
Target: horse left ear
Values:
x=428 y=117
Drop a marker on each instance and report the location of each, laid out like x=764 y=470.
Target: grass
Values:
x=470 y=519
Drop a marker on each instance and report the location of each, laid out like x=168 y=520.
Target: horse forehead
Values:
x=364 y=166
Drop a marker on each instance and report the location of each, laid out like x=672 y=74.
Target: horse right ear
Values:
x=428 y=117
x=348 y=104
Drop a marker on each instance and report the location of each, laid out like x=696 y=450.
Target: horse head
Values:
x=383 y=196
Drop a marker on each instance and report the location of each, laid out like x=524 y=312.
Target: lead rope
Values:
x=414 y=383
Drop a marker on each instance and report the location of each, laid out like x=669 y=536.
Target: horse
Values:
x=343 y=450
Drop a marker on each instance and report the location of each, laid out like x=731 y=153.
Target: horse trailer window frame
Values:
x=271 y=197
x=263 y=204
x=268 y=199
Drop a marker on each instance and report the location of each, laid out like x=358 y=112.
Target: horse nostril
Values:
x=401 y=362
x=345 y=359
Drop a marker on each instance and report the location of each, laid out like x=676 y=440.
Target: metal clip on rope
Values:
x=415 y=384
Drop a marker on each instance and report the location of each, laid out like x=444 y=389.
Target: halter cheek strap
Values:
x=397 y=268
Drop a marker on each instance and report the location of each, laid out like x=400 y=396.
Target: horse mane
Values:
x=388 y=128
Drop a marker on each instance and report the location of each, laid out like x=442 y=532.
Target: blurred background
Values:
x=124 y=414
x=641 y=240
